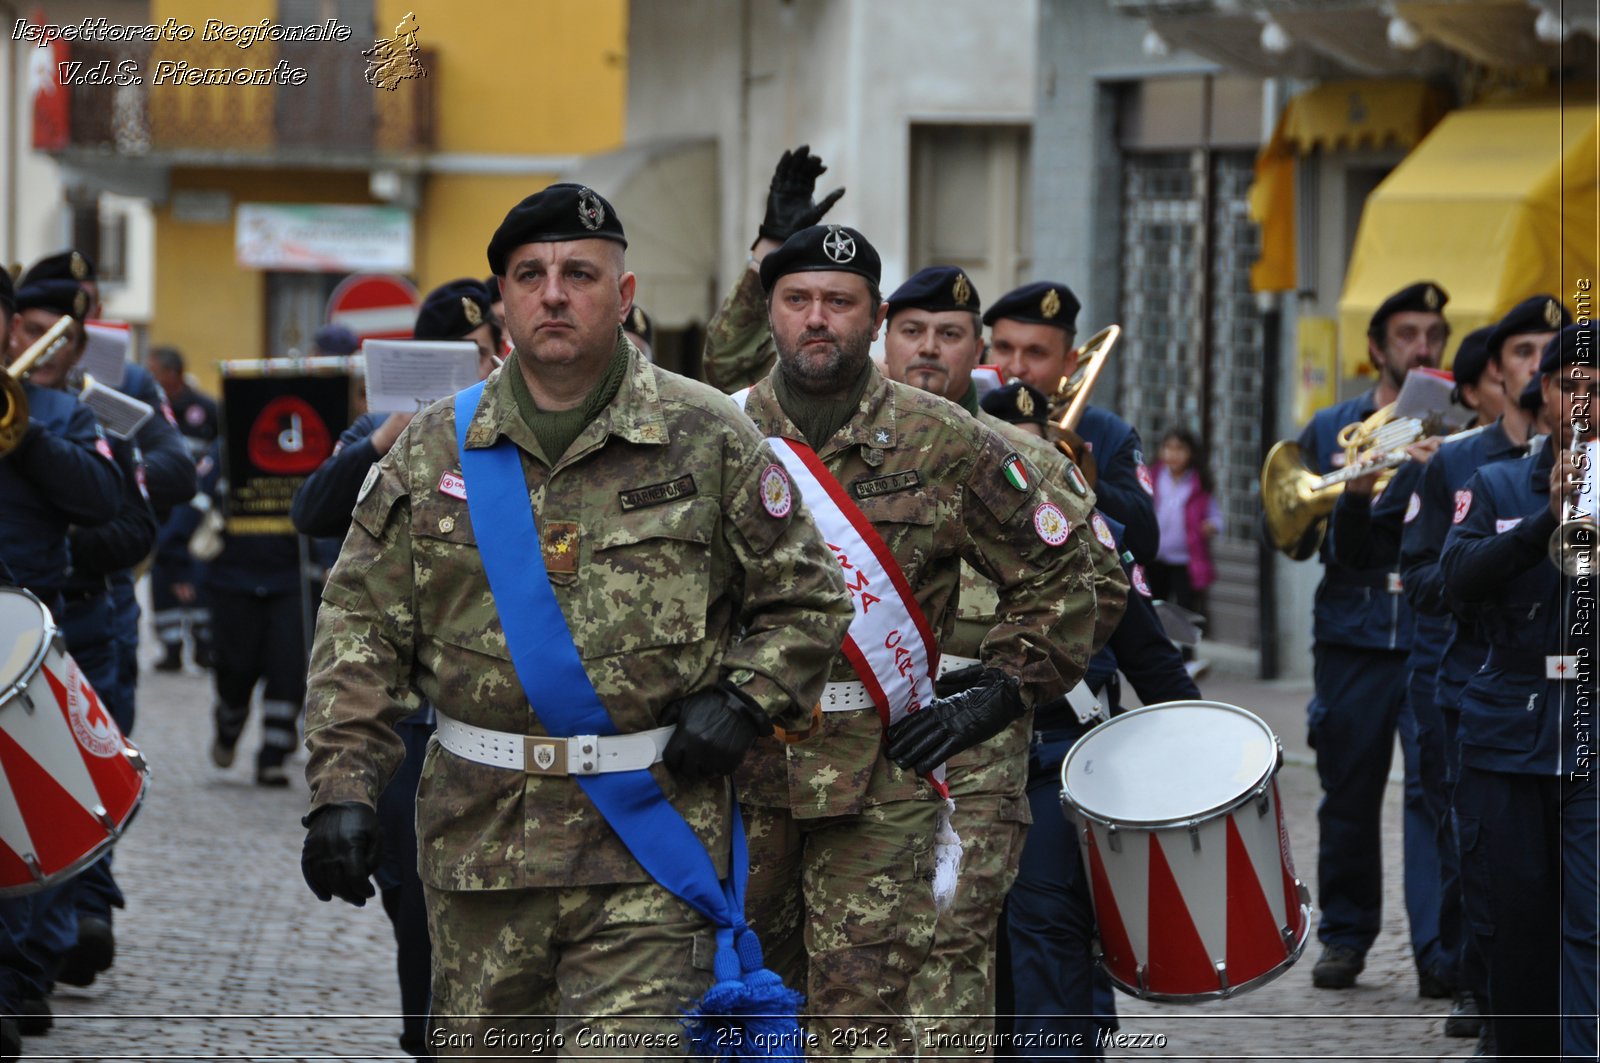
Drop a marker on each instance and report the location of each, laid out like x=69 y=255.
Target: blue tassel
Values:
x=748 y=1014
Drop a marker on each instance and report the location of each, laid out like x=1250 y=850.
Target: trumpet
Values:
x=1298 y=501
x=13 y=399
x=1572 y=543
x=1074 y=390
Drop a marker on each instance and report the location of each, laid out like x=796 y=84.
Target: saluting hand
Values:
x=789 y=204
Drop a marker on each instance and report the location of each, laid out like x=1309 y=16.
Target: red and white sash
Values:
x=889 y=644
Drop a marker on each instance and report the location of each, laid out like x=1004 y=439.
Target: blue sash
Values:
x=558 y=689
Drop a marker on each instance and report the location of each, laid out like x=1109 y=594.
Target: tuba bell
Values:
x=1074 y=390
x=13 y=399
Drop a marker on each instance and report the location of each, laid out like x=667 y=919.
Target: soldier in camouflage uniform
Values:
x=933 y=340
x=688 y=599
x=842 y=836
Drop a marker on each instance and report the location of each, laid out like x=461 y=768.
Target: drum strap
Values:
x=560 y=693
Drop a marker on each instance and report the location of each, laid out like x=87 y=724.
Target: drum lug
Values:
x=1222 y=976
x=104 y=819
x=1194 y=836
x=1113 y=838
x=1263 y=803
x=1143 y=973
x=27 y=702
x=136 y=760
x=33 y=867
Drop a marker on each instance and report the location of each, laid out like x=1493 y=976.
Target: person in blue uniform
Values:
x=1490 y=369
x=1031 y=330
x=174 y=585
x=322 y=507
x=1046 y=974
x=1361 y=634
x=1526 y=800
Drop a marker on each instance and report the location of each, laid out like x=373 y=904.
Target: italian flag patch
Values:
x=1016 y=472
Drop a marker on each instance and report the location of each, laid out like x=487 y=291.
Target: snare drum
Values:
x=1188 y=860
x=69 y=780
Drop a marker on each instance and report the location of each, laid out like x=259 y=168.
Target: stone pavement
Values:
x=223 y=953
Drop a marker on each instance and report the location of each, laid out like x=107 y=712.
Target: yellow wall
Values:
x=205 y=304
x=535 y=77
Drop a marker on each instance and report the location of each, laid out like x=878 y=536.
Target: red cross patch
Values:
x=1463 y=505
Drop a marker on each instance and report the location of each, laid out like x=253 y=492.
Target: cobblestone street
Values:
x=223 y=953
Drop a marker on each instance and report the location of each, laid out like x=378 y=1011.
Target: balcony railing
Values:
x=332 y=115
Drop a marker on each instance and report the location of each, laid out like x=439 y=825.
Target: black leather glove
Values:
x=932 y=735
x=789 y=204
x=959 y=679
x=716 y=727
x=341 y=852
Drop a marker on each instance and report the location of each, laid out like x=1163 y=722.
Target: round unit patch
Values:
x=367 y=484
x=776 y=497
x=1140 y=584
x=1463 y=506
x=1102 y=531
x=1051 y=524
x=90 y=725
x=1413 y=507
x=1144 y=481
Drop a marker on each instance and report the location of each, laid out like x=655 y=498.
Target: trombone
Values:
x=1298 y=501
x=1572 y=543
x=1074 y=390
x=13 y=399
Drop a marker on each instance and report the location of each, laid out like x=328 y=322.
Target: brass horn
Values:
x=1572 y=543
x=1074 y=390
x=13 y=399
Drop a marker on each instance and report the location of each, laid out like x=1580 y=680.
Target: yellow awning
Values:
x=1498 y=203
x=1334 y=115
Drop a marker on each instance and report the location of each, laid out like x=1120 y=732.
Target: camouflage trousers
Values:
x=594 y=971
x=844 y=909
x=954 y=990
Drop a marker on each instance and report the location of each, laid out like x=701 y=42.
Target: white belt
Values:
x=542 y=755
x=852 y=696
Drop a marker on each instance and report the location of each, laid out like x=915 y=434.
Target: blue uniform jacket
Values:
x=1358 y=606
x=324 y=502
x=62 y=474
x=1423 y=542
x=168 y=465
x=1119 y=490
x=1364 y=534
x=1513 y=718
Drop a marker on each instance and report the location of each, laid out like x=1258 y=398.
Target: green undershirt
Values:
x=819 y=418
x=556 y=429
x=969 y=401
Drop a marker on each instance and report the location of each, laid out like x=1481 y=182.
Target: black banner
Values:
x=277 y=428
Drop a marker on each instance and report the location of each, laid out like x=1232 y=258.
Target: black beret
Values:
x=936 y=289
x=638 y=322
x=559 y=213
x=57 y=296
x=823 y=247
x=335 y=339
x=61 y=266
x=452 y=310
x=1039 y=303
x=1423 y=297
x=1541 y=313
x=8 y=294
x=1573 y=345
x=1532 y=398
x=1016 y=403
x=1472 y=356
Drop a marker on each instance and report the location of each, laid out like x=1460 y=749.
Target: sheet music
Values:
x=120 y=415
x=1426 y=393
x=403 y=376
x=105 y=353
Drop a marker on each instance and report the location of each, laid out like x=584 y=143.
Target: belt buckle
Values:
x=544 y=756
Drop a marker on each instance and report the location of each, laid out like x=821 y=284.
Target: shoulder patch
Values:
x=1140 y=584
x=886 y=485
x=1051 y=524
x=1076 y=479
x=1102 y=531
x=1463 y=506
x=1015 y=472
x=777 y=498
x=367 y=484
x=1413 y=507
x=1506 y=525
x=656 y=494
x=1143 y=472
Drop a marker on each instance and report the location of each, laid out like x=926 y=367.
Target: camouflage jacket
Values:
x=739 y=349
x=998 y=768
x=669 y=569
x=943 y=497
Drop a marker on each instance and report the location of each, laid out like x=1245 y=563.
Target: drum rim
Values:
x=36 y=661
x=100 y=848
x=1250 y=793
